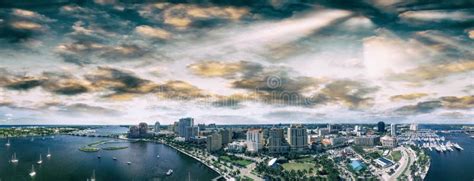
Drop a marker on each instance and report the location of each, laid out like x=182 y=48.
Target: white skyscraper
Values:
x=157 y=127
x=255 y=140
x=393 y=130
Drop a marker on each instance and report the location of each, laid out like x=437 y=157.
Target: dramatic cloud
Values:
x=221 y=69
x=411 y=96
x=448 y=102
x=184 y=15
x=431 y=72
x=151 y=32
x=351 y=93
x=109 y=61
x=119 y=81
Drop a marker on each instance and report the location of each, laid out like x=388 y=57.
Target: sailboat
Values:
x=8 y=143
x=93 y=176
x=49 y=154
x=14 y=159
x=40 y=161
x=33 y=172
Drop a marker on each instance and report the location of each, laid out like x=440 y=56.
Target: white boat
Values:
x=33 y=172
x=129 y=163
x=169 y=172
x=14 y=159
x=157 y=156
x=49 y=154
x=8 y=143
x=40 y=161
x=457 y=146
x=114 y=158
x=443 y=148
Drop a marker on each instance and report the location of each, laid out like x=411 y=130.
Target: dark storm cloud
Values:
x=353 y=94
x=119 y=81
x=24 y=83
x=446 y=102
x=84 y=52
x=55 y=83
x=19 y=26
x=421 y=107
x=278 y=87
x=64 y=84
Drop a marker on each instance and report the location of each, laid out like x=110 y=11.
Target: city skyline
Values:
x=108 y=62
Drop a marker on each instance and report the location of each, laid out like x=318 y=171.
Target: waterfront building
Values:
x=254 y=140
x=133 y=132
x=388 y=141
x=226 y=136
x=276 y=142
x=371 y=140
x=381 y=127
x=214 y=142
x=157 y=127
x=323 y=132
x=236 y=147
x=143 y=129
x=183 y=124
x=190 y=132
x=297 y=137
x=393 y=129
x=414 y=127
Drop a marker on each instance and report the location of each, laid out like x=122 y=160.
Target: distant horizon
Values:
x=386 y=123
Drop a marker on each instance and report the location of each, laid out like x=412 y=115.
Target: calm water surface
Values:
x=454 y=165
x=68 y=163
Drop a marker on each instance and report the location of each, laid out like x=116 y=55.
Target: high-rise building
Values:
x=414 y=127
x=276 y=142
x=367 y=140
x=157 y=127
x=183 y=124
x=297 y=137
x=133 y=132
x=356 y=128
x=226 y=136
x=323 y=132
x=393 y=129
x=381 y=127
x=190 y=132
x=214 y=142
x=254 y=140
x=388 y=141
x=143 y=129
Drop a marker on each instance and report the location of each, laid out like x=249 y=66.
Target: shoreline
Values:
x=195 y=158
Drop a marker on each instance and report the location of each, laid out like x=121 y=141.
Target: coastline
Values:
x=196 y=158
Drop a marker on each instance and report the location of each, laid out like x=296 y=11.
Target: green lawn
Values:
x=396 y=155
x=305 y=159
x=236 y=161
x=297 y=166
x=245 y=178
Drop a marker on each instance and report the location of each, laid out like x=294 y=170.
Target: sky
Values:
x=236 y=62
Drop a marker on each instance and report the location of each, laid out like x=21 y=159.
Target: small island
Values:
x=115 y=148
x=94 y=147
